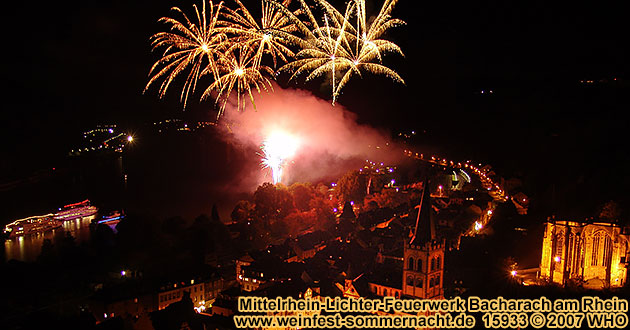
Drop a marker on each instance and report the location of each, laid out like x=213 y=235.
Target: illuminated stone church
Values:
x=593 y=253
x=423 y=268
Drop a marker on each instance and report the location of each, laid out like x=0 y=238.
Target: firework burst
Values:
x=238 y=71
x=273 y=35
x=229 y=46
x=340 y=47
x=365 y=45
x=325 y=52
x=190 y=44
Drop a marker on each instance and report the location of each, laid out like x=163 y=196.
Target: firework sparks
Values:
x=277 y=148
x=229 y=45
x=238 y=70
x=321 y=51
x=195 y=45
x=368 y=47
x=339 y=48
x=273 y=35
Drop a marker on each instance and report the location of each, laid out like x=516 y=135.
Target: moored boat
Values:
x=31 y=225
x=76 y=211
x=111 y=219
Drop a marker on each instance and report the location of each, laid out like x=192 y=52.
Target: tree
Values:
x=103 y=238
x=215 y=213
x=302 y=194
x=610 y=211
x=323 y=208
x=198 y=238
x=173 y=226
x=265 y=202
x=243 y=212
x=351 y=187
x=272 y=202
x=386 y=198
x=375 y=182
x=48 y=251
x=321 y=190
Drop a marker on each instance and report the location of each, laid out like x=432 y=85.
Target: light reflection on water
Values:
x=27 y=248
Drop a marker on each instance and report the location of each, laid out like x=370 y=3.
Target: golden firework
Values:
x=229 y=46
x=340 y=46
x=366 y=55
x=273 y=35
x=237 y=71
x=189 y=44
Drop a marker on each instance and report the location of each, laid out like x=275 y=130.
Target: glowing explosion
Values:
x=277 y=148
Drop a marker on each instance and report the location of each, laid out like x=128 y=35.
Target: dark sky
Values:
x=74 y=64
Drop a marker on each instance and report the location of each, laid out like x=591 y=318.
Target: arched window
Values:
x=410 y=265
x=419 y=283
x=601 y=249
x=410 y=280
x=595 y=250
x=607 y=253
x=432 y=264
x=419 y=264
x=437 y=281
x=431 y=282
x=439 y=262
x=559 y=248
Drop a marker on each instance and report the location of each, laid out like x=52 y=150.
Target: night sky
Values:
x=76 y=64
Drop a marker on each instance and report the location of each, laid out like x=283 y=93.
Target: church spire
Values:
x=425 y=223
x=347 y=212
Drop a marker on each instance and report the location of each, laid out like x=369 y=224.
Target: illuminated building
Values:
x=423 y=265
x=136 y=300
x=241 y=263
x=175 y=293
x=592 y=253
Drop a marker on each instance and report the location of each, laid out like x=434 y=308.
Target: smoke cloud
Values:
x=331 y=142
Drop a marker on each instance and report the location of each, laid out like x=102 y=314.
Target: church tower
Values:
x=423 y=268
